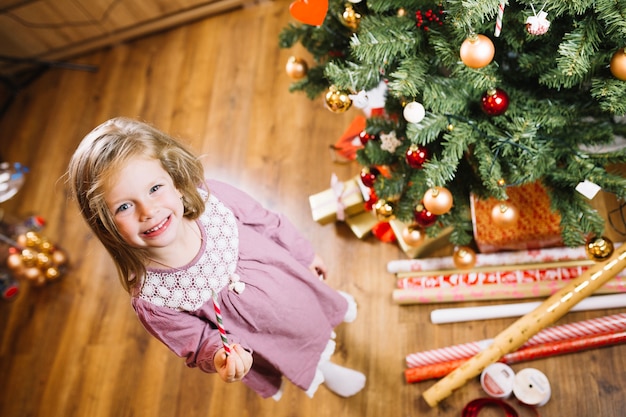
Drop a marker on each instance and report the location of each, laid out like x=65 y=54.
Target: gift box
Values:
x=537 y=226
x=429 y=244
x=362 y=224
x=342 y=200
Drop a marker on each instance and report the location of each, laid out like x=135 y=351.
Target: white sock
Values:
x=344 y=382
x=317 y=381
x=279 y=393
x=352 y=310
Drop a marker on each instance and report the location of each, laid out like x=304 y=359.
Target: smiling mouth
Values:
x=158 y=227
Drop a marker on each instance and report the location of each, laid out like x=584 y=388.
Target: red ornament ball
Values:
x=494 y=102
x=371 y=201
x=504 y=214
x=416 y=156
x=368 y=176
x=618 y=64
x=477 y=51
x=438 y=200
x=424 y=218
x=365 y=137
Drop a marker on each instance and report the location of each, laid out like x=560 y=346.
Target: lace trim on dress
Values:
x=188 y=288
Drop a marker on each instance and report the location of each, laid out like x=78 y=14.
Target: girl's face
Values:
x=146 y=206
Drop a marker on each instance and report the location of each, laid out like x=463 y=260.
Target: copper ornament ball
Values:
x=413 y=235
x=296 y=68
x=477 y=51
x=438 y=200
x=618 y=64
x=464 y=257
x=504 y=214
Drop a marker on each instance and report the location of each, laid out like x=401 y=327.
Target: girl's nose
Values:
x=146 y=211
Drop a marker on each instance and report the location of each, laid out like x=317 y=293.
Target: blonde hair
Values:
x=104 y=151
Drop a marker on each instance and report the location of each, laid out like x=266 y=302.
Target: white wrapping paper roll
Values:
x=461 y=314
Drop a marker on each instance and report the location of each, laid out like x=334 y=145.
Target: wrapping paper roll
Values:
x=491 y=259
x=461 y=314
x=560 y=347
x=524 y=328
x=590 y=327
x=509 y=291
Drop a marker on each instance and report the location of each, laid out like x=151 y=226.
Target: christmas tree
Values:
x=479 y=96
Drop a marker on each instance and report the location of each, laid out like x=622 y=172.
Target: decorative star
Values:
x=389 y=141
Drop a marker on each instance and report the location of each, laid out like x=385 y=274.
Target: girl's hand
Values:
x=233 y=367
x=318 y=267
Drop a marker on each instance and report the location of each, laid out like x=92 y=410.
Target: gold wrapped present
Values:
x=362 y=224
x=342 y=200
x=427 y=246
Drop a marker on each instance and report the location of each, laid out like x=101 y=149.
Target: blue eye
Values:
x=155 y=188
x=122 y=208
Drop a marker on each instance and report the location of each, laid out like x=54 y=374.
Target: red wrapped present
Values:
x=537 y=226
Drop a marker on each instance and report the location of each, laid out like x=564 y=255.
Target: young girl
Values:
x=178 y=240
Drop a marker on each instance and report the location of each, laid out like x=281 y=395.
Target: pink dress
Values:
x=285 y=315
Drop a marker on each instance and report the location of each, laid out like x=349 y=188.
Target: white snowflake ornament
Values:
x=389 y=141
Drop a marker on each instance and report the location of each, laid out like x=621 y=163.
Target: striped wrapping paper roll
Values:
x=606 y=324
x=561 y=347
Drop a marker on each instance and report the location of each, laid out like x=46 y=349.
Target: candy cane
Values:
x=220 y=324
x=499 y=19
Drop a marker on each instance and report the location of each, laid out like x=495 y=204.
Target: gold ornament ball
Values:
x=32 y=274
x=505 y=215
x=413 y=235
x=618 y=64
x=383 y=210
x=351 y=18
x=33 y=240
x=599 y=248
x=52 y=273
x=59 y=257
x=477 y=51
x=296 y=68
x=464 y=257
x=337 y=101
x=438 y=200
x=29 y=257
x=43 y=260
x=21 y=240
x=45 y=245
x=14 y=262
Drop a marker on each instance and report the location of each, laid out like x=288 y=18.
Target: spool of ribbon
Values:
x=473 y=407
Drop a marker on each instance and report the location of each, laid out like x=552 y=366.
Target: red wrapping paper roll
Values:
x=561 y=347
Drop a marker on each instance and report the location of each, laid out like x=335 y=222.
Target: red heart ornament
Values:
x=310 y=12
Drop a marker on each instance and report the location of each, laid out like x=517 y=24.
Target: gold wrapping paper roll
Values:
x=555 y=307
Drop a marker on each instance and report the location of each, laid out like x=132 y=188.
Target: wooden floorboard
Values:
x=75 y=349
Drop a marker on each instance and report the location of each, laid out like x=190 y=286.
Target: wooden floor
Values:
x=75 y=348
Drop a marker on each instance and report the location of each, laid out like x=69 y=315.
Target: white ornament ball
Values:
x=414 y=112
